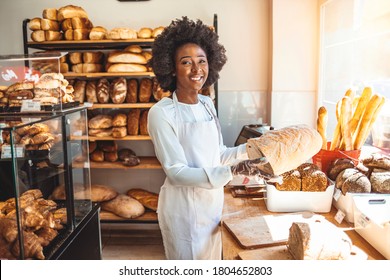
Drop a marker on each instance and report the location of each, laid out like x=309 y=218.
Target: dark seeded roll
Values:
x=339 y=165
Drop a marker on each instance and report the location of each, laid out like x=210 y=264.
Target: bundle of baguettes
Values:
x=355 y=117
x=285 y=148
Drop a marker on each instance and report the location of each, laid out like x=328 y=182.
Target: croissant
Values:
x=31 y=245
x=5 y=250
x=46 y=235
x=8 y=229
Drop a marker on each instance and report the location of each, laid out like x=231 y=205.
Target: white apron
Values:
x=189 y=216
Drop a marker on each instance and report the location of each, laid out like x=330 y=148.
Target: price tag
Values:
x=6 y=151
x=30 y=106
x=339 y=217
x=337 y=194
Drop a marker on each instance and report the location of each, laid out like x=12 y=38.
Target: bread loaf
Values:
x=132 y=91
x=100 y=193
x=380 y=180
x=133 y=119
x=110 y=156
x=47 y=24
x=133 y=49
x=51 y=35
x=98 y=33
x=34 y=24
x=100 y=132
x=124 y=206
x=126 y=57
x=157 y=31
x=81 y=23
x=91 y=92
x=119 y=131
x=100 y=121
x=76 y=57
x=353 y=181
x=145 y=90
x=50 y=13
x=119 y=119
x=79 y=91
x=339 y=165
x=145 y=33
x=97 y=156
x=377 y=160
x=318 y=240
x=92 y=145
x=103 y=90
x=146 y=198
x=80 y=34
x=38 y=36
x=291 y=181
x=286 y=148
x=313 y=180
x=71 y=11
x=118 y=90
x=108 y=146
x=143 y=123
x=93 y=57
x=126 y=67
x=92 y=68
x=122 y=33
x=66 y=24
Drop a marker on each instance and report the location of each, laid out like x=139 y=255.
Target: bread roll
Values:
x=68 y=35
x=76 y=57
x=339 y=165
x=377 y=160
x=97 y=156
x=38 y=36
x=133 y=119
x=126 y=67
x=98 y=33
x=126 y=57
x=100 y=121
x=157 y=31
x=93 y=57
x=91 y=92
x=353 y=181
x=110 y=156
x=119 y=131
x=71 y=11
x=35 y=24
x=80 y=34
x=118 y=90
x=124 y=206
x=143 y=123
x=318 y=240
x=103 y=90
x=50 y=13
x=67 y=25
x=286 y=148
x=380 y=180
x=47 y=24
x=81 y=23
x=145 y=90
x=322 y=123
x=145 y=33
x=64 y=67
x=119 y=119
x=132 y=91
x=148 y=199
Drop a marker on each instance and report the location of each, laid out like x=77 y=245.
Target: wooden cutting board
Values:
x=266 y=230
x=281 y=252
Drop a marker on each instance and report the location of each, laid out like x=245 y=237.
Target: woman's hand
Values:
x=259 y=166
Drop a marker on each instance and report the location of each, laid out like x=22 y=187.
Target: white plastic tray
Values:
x=295 y=201
x=372 y=221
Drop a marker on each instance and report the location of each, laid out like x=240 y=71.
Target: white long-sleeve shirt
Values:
x=163 y=130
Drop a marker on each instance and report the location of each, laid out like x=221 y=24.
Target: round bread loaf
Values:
x=97 y=155
x=380 y=180
x=353 y=181
x=339 y=165
x=103 y=90
x=118 y=90
x=124 y=153
x=124 y=206
x=377 y=161
x=100 y=121
x=110 y=156
x=145 y=33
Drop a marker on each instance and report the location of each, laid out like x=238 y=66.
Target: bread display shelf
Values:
x=146 y=163
x=71 y=75
x=88 y=44
x=148 y=217
x=121 y=106
x=126 y=138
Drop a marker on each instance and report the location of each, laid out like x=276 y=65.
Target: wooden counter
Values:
x=245 y=208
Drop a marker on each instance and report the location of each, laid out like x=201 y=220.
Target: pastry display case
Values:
x=45 y=156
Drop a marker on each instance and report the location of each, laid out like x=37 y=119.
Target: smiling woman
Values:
x=187 y=139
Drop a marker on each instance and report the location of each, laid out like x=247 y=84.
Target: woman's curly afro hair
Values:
x=179 y=32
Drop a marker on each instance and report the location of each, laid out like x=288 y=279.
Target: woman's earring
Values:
x=174 y=74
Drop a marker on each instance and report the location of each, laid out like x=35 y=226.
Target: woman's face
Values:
x=192 y=67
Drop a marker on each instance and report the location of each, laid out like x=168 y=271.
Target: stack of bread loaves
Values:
x=46 y=28
x=86 y=62
x=131 y=59
x=51 y=88
x=75 y=23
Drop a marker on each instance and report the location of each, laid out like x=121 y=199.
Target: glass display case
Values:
x=45 y=189
x=31 y=83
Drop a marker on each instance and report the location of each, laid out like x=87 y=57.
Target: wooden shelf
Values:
x=72 y=75
x=126 y=138
x=146 y=163
x=148 y=217
x=121 y=106
x=88 y=44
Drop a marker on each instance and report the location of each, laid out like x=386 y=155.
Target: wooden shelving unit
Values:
x=146 y=163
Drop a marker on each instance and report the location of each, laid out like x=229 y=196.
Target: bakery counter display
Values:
x=36 y=156
x=33 y=83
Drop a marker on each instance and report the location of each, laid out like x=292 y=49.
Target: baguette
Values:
x=345 y=116
x=367 y=119
x=336 y=133
x=322 y=122
x=362 y=104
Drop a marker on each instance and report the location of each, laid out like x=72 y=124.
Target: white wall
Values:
x=242 y=26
